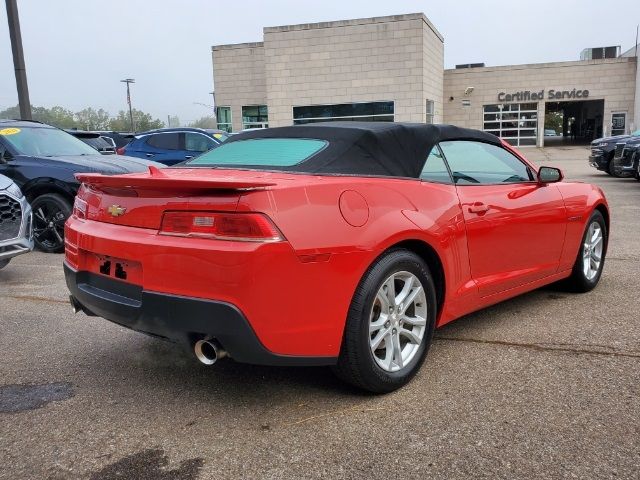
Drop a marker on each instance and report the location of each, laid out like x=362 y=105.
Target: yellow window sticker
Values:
x=217 y=135
x=9 y=131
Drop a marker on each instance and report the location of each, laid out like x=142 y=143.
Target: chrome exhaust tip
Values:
x=208 y=351
x=75 y=305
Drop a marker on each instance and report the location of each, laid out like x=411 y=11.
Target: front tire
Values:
x=611 y=170
x=389 y=325
x=50 y=211
x=4 y=263
x=589 y=263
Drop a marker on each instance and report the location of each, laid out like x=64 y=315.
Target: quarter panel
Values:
x=580 y=200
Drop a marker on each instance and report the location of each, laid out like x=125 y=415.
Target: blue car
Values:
x=173 y=145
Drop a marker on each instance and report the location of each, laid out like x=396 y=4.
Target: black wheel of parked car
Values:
x=390 y=323
x=4 y=263
x=637 y=172
x=50 y=211
x=589 y=263
x=611 y=170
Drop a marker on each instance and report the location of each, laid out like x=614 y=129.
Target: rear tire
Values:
x=50 y=211
x=389 y=325
x=593 y=249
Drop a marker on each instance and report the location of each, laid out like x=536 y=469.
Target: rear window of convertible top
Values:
x=261 y=152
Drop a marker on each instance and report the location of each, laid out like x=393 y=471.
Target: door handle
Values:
x=149 y=155
x=188 y=157
x=478 y=208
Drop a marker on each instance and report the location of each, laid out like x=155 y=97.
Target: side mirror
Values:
x=549 y=175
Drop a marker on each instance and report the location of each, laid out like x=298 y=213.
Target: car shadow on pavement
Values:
x=134 y=365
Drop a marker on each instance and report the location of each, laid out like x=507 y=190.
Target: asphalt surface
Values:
x=545 y=385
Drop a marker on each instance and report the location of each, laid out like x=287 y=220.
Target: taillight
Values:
x=79 y=208
x=120 y=150
x=243 y=227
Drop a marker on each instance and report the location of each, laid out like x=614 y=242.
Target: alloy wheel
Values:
x=48 y=225
x=592 y=251
x=398 y=321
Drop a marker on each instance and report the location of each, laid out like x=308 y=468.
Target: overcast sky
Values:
x=76 y=51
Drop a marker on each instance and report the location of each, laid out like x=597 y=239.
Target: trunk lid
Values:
x=140 y=200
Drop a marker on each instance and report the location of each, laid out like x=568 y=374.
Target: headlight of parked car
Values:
x=602 y=144
x=14 y=190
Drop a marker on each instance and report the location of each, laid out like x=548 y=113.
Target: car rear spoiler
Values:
x=181 y=180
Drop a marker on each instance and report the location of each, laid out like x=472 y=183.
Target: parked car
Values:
x=550 y=132
x=626 y=158
x=173 y=145
x=330 y=244
x=42 y=161
x=104 y=145
x=119 y=139
x=603 y=150
x=16 y=226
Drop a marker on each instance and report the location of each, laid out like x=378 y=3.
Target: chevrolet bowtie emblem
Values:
x=116 y=210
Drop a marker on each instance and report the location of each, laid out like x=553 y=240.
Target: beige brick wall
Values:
x=397 y=58
x=610 y=79
x=239 y=78
x=432 y=73
x=351 y=61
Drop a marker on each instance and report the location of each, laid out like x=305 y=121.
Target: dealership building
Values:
x=392 y=69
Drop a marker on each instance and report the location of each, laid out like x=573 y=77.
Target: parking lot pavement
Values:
x=545 y=385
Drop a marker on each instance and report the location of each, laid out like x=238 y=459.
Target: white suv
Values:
x=16 y=225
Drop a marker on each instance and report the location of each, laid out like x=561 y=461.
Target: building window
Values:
x=516 y=123
x=223 y=116
x=618 y=123
x=255 y=116
x=344 y=112
x=430 y=112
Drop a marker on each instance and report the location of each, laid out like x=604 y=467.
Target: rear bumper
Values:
x=176 y=318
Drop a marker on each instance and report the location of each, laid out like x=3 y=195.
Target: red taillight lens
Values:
x=245 y=227
x=79 y=208
x=120 y=150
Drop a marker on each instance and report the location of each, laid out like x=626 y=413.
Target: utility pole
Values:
x=128 y=81
x=18 y=60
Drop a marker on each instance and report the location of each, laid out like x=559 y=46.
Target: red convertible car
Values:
x=341 y=244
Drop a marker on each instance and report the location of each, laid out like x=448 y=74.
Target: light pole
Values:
x=18 y=60
x=128 y=81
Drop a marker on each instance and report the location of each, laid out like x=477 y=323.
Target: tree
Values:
x=553 y=121
x=205 y=122
x=57 y=116
x=143 y=121
x=90 y=119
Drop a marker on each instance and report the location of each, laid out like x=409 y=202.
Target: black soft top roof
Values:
x=369 y=148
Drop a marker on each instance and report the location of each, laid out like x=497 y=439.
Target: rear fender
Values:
x=580 y=199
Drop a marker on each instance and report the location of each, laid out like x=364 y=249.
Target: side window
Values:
x=165 y=141
x=435 y=170
x=477 y=162
x=196 y=142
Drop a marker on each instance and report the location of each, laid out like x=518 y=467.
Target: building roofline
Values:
x=355 y=21
x=231 y=46
x=526 y=66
